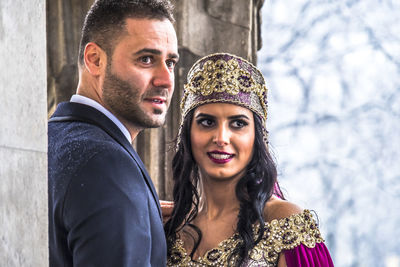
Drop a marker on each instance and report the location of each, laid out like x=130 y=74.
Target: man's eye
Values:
x=171 y=63
x=146 y=59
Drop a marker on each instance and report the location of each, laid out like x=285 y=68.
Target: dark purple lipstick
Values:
x=220 y=157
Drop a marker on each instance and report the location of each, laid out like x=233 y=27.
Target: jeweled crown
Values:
x=225 y=78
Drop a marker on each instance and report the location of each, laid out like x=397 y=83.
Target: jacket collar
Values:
x=69 y=111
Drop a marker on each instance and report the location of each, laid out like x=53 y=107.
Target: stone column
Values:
x=64 y=23
x=23 y=134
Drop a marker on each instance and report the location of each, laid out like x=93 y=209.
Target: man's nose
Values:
x=163 y=76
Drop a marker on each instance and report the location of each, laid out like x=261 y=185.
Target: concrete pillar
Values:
x=23 y=134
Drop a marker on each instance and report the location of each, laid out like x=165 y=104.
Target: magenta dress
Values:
x=297 y=237
x=308 y=257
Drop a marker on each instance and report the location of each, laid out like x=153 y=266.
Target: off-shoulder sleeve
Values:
x=298 y=238
x=304 y=256
x=304 y=244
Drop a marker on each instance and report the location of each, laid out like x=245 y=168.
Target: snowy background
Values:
x=333 y=71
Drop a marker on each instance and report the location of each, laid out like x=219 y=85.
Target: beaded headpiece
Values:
x=225 y=78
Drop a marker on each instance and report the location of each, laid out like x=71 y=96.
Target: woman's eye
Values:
x=206 y=122
x=239 y=124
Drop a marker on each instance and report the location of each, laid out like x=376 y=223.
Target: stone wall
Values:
x=23 y=134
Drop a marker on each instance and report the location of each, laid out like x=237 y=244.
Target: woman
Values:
x=228 y=209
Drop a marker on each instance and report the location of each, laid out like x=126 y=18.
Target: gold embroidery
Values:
x=283 y=234
x=225 y=76
x=222 y=76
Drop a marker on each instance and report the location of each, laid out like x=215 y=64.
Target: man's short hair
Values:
x=106 y=19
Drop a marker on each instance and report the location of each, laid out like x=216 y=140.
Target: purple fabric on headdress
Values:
x=225 y=57
x=242 y=97
x=238 y=82
x=302 y=256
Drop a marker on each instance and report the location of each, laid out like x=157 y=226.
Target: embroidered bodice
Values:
x=279 y=235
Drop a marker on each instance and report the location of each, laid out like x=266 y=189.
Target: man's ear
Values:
x=95 y=59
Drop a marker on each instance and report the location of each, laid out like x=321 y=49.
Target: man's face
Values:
x=139 y=80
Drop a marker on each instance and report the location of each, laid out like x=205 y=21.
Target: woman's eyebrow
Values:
x=204 y=115
x=241 y=116
x=233 y=117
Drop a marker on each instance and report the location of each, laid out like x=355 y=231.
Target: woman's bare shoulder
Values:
x=276 y=208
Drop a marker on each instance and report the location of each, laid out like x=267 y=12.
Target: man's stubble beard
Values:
x=123 y=101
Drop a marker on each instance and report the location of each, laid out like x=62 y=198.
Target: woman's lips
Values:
x=220 y=157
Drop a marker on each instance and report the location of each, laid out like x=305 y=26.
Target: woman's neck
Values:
x=217 y=198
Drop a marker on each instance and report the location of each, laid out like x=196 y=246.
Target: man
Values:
x=103 y=208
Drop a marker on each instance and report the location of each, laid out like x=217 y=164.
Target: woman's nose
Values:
x=222 y=136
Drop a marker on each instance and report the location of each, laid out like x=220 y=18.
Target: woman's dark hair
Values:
x=253 y=190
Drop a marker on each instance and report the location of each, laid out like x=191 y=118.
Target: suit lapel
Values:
x=69 y=111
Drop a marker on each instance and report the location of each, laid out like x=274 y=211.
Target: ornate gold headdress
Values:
x=225 y=78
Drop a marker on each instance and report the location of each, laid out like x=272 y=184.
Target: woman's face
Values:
x=222 y=138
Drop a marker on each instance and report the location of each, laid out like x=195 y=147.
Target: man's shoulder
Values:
x=75 y=144
x=75 y=135
x=85 y=154
x=79 y=122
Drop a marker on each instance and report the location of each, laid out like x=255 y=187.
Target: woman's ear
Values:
x=95 y=59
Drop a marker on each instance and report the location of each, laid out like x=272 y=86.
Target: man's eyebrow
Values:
x=174 y=56
x=155 y=52
x=148 y=50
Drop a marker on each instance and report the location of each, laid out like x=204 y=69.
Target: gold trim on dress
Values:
x=279 y=235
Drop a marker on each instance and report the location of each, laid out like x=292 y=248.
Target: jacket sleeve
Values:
x=106 y=213
x=304 y=256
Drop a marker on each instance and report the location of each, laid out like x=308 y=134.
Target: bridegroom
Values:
x=103 y=208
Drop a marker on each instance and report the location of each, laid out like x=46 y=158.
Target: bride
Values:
x=228 y=209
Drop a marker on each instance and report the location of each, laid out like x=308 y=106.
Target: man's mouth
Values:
x=156 y=100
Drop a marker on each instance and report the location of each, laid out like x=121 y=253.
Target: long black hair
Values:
x=253 y=190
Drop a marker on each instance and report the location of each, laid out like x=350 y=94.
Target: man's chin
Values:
x=154 y=121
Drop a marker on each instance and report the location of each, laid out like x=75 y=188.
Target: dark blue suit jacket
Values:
x=103 y=208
